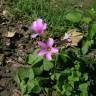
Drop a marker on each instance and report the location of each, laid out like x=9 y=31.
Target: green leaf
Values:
x=26 y=95
x=91 y=12
x=84 y=94
x=55 y=76
x=86 y=45
x=38 y=70
x=31 y=58
x=78 y=73
x=66 y=89
x=47 y=65
x=71 y=83
x=60 y=81
x=34 y=58
x=24 y=73
x=68 y=93
x=31 y=73
x=92 y=32
x=23 y=86
x=17 y=78
x=64 y=57
x=77 y=65
x=83 y=87
x=33 y=86
x=49 y=92
x=30 y=85
x=73 y=78
x=36 y=89
x=73 y=17
x=87 y=20
x=85 y=76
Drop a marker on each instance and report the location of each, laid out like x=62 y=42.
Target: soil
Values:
x=15 y=43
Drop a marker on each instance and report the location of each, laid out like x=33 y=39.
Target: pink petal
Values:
x=54 y=50
x=42 y=44
x=48 y=56
x=50 y=42
x=44 y=26
x=34 y=26
x=34 y=35
x=41 y=52
x=39 y=25
x=39 y=20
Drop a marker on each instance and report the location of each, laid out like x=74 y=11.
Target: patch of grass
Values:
x=52 y=11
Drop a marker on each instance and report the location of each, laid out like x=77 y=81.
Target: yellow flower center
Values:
x=48 y=49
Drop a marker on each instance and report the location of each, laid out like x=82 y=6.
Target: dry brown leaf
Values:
x=75 y=37
x=5 y=12
x=16 y=93
x=9 y=34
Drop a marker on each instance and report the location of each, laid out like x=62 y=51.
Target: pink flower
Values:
x=46 y=49
x=38 y=27
x=67 y=38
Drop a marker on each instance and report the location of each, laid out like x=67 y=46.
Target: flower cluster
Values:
x=47 y=49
